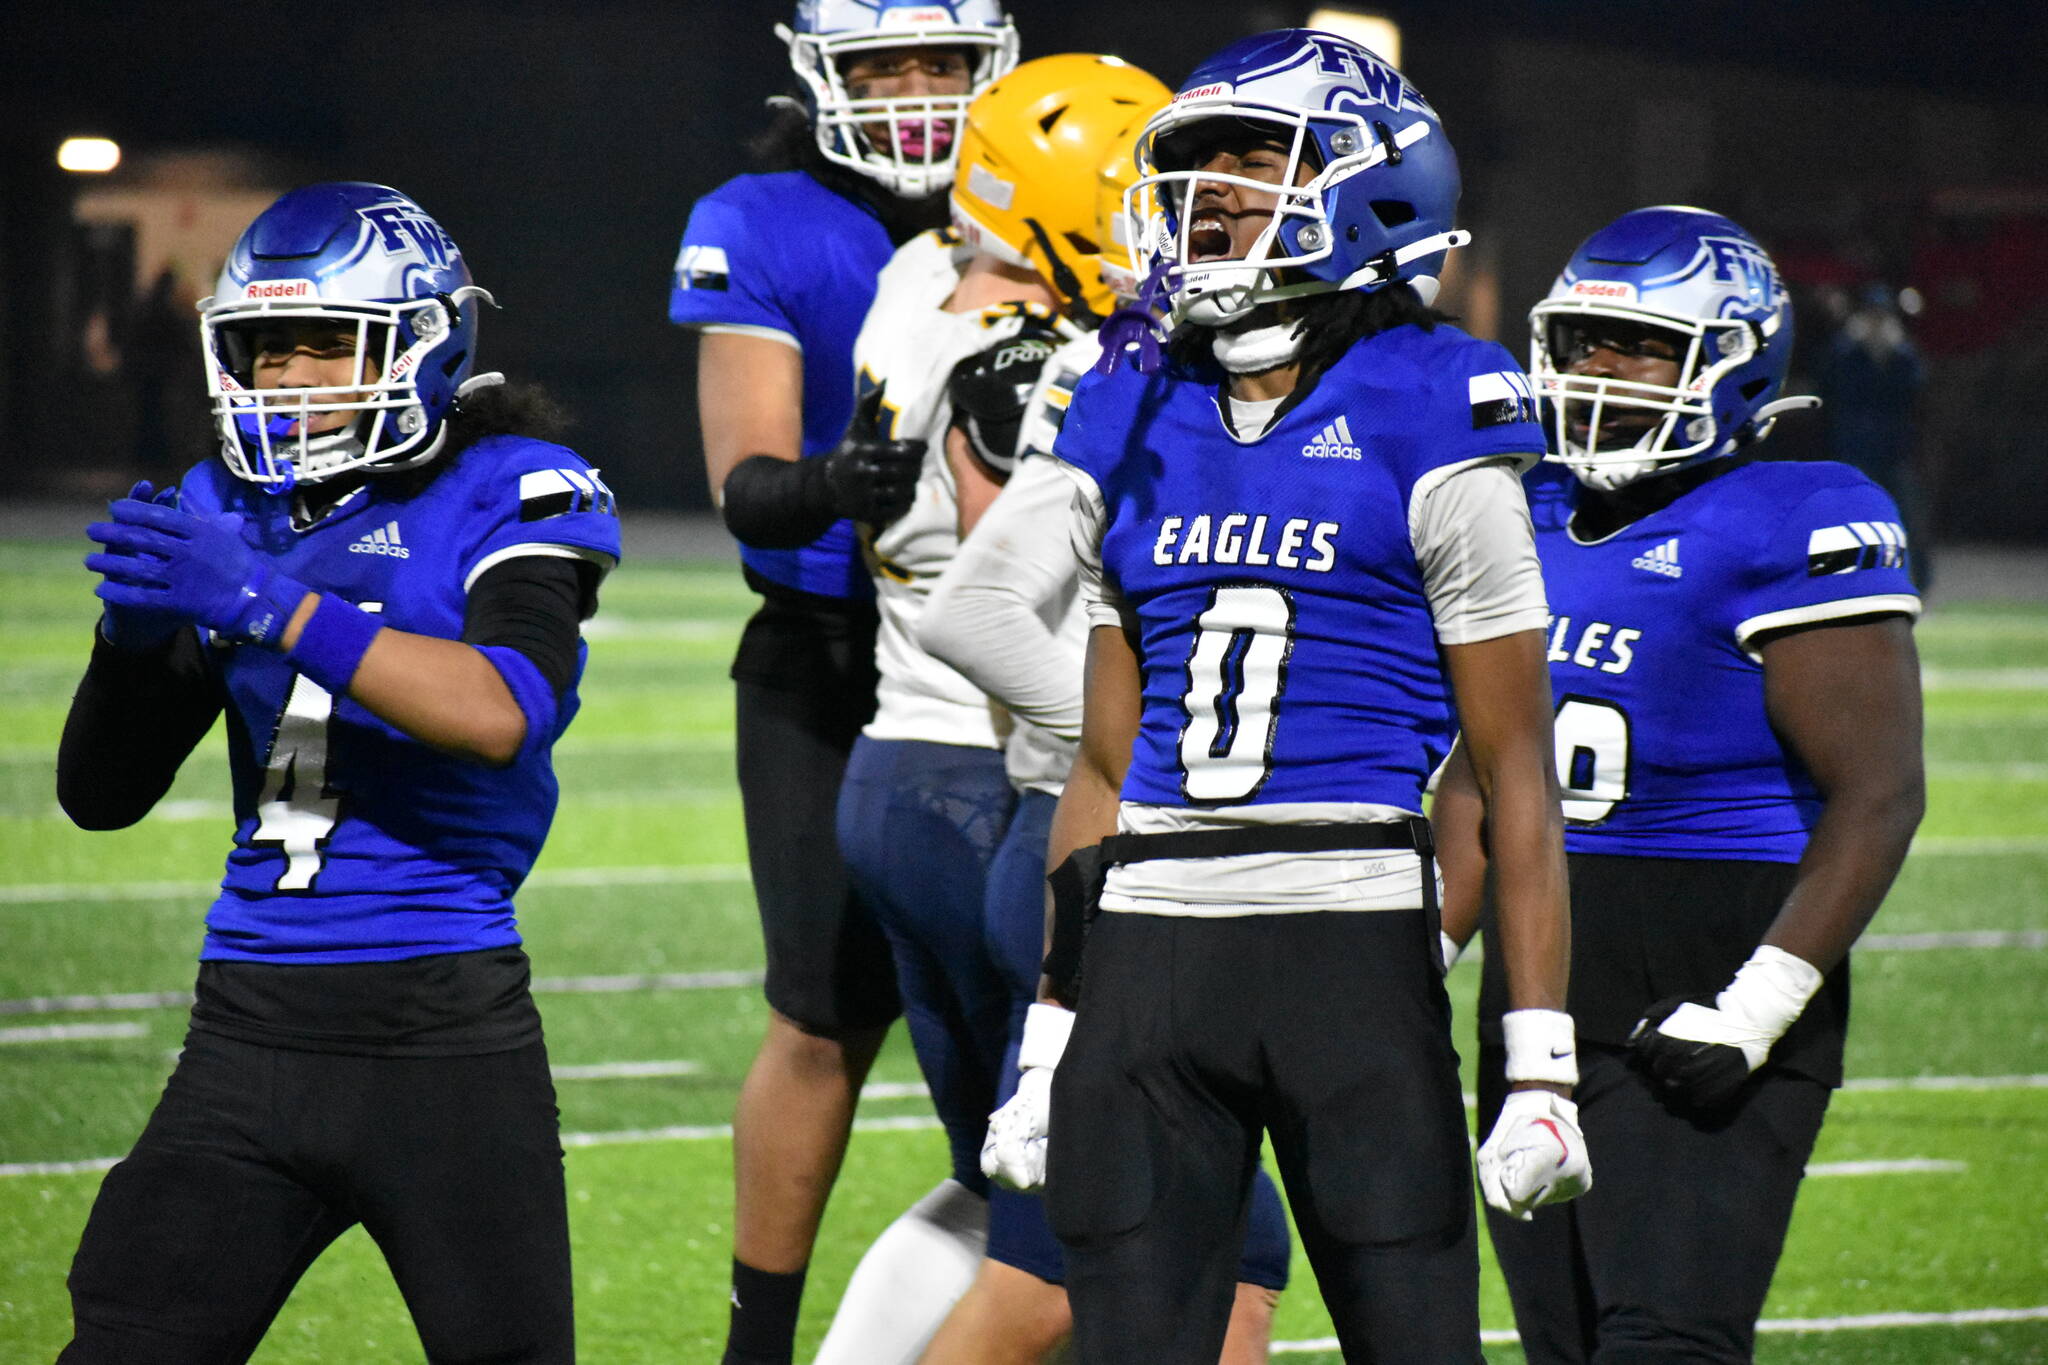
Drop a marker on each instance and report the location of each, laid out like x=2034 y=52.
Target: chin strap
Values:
x=1385 y=267
x=1252 y=349
x=1767 y=416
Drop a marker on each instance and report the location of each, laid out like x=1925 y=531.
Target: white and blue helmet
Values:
x=344 y=252
x=924 y=130
x=1703 y=280
x=1378 y=207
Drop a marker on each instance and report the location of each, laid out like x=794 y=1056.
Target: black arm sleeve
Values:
x=534 y=604
x=135 y=716
x=774 y=504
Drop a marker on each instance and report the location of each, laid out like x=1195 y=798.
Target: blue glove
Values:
x=140 y=628
x=192 y=569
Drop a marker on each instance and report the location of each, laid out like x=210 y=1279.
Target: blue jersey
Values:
x=354 y=842
x=783 y=255
x=1288 y=649
x=1664 y=746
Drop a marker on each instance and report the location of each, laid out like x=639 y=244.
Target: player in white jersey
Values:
x=925 y=800
x=1007 y=614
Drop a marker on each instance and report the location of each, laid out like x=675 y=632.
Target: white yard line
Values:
x=1956 y=938
x=704 y=1132
x=1882 y=1083
x=1912 y=1165
x=1982 y=679
x=1990 y=770
x=569 y=876
x=68 y=1033
x=43 y=893
x=751 y=976
x=1967 y=1317
x=1972 y=845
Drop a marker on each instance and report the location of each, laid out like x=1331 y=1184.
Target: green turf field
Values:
x=643 y=877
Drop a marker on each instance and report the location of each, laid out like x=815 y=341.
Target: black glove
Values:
x=989 y=391
x=1693 y=1074
x=872 y=479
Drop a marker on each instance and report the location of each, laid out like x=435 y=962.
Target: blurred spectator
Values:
x=162 y=356
x=1870 y=379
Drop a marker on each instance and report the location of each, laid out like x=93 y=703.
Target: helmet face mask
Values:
x=906 y=143
x=1365 y=199
x=1702 y=285
x=361 y=266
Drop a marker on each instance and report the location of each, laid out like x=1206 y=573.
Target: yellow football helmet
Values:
x=1032 y=150
x=1117 y=173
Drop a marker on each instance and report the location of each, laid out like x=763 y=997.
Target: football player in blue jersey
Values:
x=1302 y=541
x=775 y=274
x=1738 y=739
x=380 y=583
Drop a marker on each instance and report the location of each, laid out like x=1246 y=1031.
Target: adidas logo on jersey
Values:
x=382 y=541
x=1858 y=545
x=1662 y=559
x=1333 y=442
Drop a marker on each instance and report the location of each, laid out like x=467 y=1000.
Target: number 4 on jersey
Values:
x=297 y=811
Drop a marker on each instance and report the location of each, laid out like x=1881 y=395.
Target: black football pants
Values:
x=1668 y=1258
x=257 y=1158
x=804 y=687
x=1329 y=1031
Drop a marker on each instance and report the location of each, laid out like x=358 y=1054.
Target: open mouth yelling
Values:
x=1209 y=237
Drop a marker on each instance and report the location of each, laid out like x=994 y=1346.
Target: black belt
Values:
x=1412 y=833
x=1077 y=883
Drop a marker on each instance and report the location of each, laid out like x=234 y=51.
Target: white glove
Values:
x=1702 y=1054
x=1013 y=1153
x=1535 y=1154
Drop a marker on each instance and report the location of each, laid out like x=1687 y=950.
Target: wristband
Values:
x=1541 y=1047
x=332 y=643
x=1770 y=991
x=1046 y=1028
x=1451 y=949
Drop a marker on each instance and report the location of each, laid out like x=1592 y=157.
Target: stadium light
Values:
x=88 y=155
x=1375 y=31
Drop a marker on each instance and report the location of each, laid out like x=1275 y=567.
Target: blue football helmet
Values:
x=356 y=254
x=1697 y=280
x=924 y=130
x=1376 y=208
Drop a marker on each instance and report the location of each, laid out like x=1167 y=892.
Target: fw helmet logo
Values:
x=382 y=541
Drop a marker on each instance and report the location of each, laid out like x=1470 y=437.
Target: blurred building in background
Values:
x=1871 y=145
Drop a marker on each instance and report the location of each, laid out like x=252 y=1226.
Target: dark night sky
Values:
x=563 y=149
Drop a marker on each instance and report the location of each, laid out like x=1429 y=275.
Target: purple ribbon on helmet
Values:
x=1135 y=327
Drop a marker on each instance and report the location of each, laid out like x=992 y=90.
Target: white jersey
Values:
x=1008 y=612
x=908 y=346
